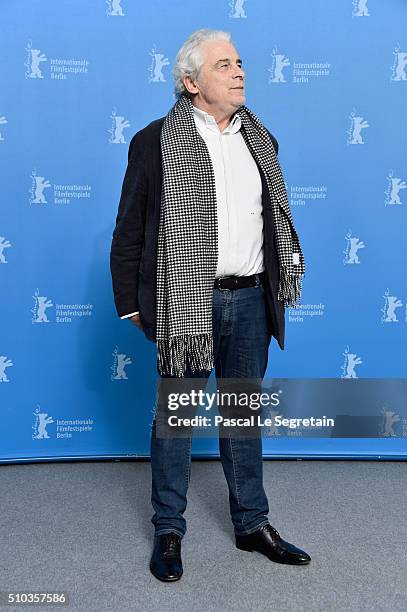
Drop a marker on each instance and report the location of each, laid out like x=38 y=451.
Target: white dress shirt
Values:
x=238 y=194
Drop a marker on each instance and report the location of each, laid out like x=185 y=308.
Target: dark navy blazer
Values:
x=133 y=255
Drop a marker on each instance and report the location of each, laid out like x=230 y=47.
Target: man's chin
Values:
x=239 y=98
x=241 y=103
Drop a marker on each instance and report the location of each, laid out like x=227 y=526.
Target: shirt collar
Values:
x=204 y=120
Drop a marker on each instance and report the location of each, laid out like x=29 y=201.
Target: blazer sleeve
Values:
x=128 y=235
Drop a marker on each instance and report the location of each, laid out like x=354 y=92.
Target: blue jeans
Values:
x=241 y=339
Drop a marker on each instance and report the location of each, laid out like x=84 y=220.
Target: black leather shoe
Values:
x=268 y=541
x=166 y=563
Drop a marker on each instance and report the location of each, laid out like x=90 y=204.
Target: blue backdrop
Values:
x=78 y=79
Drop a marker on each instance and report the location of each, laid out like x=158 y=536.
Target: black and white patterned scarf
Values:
x=188 y=237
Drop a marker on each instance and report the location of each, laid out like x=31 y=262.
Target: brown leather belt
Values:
x=238 y=282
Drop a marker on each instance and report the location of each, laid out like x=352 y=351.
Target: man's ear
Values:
x=190 y=84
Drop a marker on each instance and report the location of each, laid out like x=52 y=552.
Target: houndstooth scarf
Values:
x=188 y=237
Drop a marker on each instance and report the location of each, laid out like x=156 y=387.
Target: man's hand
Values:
x=136 y=320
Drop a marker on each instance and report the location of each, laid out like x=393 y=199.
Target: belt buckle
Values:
x=219 y=287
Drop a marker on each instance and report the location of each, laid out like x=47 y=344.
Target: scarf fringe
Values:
x=177 y=353
x=289 y=290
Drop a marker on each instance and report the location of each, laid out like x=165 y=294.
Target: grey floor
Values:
x=85 y=528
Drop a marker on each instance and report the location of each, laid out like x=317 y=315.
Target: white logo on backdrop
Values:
x=398 y=69
x=301 y=194
x=350 y=361
x=358 y=124
x=272 y=430
x=64 y=313
x=59 y=68
x=4 y=363
x=62 y=194
x=158 y=61
x=40 y=306
x=3 y=121
x=305 y=311
x=65 y=428
x=301 y=71
x=120 y=361
x=391 y=303
x=280 y=62
x=353 y=244
x=114 y=8
x=395 y=185
x=42 y=419
x=4 y=244
x=389 y=419
x=237 y=10
x=38 y=184
x=119 y=123
x=34 y=58
x=360 y=8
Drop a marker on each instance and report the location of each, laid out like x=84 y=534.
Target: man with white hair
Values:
x=204 y=260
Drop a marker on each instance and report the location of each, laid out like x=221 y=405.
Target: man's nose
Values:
x=239 y=76
x=238 y=72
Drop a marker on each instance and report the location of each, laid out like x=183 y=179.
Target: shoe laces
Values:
x=271 y=530
x=171 y=544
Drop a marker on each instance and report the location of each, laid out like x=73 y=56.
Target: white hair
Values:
x=189 y=58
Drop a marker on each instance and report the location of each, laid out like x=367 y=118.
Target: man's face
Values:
x=221 y=81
